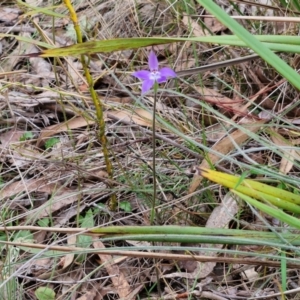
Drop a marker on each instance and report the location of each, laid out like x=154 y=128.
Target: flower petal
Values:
x=147 y=85
x=152 y=61
x=143 y=74
x=162 y=79
x=167 y=72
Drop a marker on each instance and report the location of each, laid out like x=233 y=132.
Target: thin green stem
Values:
x=152 y=215
x=283 y=263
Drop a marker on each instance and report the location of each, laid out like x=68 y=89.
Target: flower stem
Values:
x=152 y=215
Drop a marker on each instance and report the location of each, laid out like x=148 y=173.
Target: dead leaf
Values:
x=250 y=275
x=289 y=155
x=196 y=29
x=118 y=279
x=73 y=123
x=19 y=152
x=9 y=14
x=222 y=147
x=219 y=218
x=24 y=155
x=39 y=65
x=28 y=185
x=88 y=295
x=60 y=199
x=9 y=137
x=40 y=266
x=60 y=196
x=138 y=116
x=212 y=96
x=214 y=25
x=68 y=259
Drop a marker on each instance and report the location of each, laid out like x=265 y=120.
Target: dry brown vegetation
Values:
x=52 y=168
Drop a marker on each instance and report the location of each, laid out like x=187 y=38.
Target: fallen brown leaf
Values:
x=119 y=281
x=138 y=116
x=73 y=123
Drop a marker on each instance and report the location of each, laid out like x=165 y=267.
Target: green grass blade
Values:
x=105 y=46
x=275 y=44
x=235 y=182
x=193 y=231
x=43 y=10
x=274 y=212
x=26 y=40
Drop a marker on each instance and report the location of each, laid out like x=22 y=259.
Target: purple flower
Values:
x=154 y=75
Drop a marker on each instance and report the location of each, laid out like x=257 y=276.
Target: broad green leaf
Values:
x=83 y=240
x=26 y=136
x=51 y=142
x=44 y=222
x=44 y=293
x=86 y=222
x=126 y=206
x=23 y=236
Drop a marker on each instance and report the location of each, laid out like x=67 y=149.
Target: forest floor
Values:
x=52 y=166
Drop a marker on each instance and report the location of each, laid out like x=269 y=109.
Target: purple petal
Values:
x=162 y=79
x=153 y=62
x=167 y=72
x=147 y=85
x=143 y=74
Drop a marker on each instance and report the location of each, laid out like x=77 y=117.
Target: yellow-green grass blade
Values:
x=104 y=46
x=258 y=186
x=274 y=212
x=92 y=47
x=234 y=183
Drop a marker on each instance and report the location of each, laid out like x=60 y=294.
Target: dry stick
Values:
x=217 y=65
x=168 y=256
x=261 y=18
x=98 y=105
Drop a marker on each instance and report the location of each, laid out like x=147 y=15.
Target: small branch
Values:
x=168 y=256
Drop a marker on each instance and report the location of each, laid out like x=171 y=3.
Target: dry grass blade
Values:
x=176 y=257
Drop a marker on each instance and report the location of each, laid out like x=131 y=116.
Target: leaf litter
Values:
x=49 y=98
